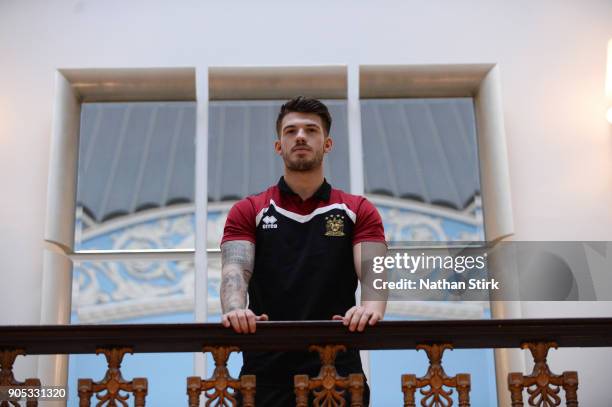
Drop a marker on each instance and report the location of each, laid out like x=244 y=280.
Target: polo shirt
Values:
x=304 y=268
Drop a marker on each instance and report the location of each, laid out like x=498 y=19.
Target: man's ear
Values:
x=328 y=144
x=277 y=147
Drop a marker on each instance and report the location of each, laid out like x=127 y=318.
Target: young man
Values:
x=296 y=249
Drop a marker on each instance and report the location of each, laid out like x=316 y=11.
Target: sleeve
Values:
x=240 y=223
x=368 y=225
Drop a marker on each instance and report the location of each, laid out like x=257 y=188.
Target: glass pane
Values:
x=241 y=157
x=421 y=168
x=214 y=285
x=133 y=292
x=136 y=176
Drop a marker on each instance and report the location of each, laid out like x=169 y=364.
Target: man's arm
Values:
x=237 y=260
x=371 y=310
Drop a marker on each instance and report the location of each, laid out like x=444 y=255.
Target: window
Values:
x=421 y=172
x=135 y=196
x=113 y=223
x=421 y=168
x=136 y=174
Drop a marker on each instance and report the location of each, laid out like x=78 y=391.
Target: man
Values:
x=296 y=249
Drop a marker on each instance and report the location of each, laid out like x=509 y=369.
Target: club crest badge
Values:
x=334 y=225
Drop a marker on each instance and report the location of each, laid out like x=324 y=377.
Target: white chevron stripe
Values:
x=259 y=216
x=305 y=218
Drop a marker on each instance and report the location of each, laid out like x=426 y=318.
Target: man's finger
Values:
x=374 y=319
x=234 y=322
x=251 y=321
x=364 y=320
x=263 y=317
x=337 y=318
x=349 y=315
x=225 y=321
x=242 y=320
x=355 y=319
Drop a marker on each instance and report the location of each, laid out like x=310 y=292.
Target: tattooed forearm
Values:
x=240 y=253
x=233 y=290
x=237 y=259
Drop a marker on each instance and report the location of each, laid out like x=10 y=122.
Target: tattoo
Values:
x=237 y=261
x=239 y=252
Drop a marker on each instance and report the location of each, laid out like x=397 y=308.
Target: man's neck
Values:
x=304 y=183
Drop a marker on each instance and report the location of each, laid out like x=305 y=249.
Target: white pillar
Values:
x=61 y=195
x=497 y=208
x=56 y=290
x=201 y=210
x=56 y=303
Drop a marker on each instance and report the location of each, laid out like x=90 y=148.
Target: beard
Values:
x=303 y=163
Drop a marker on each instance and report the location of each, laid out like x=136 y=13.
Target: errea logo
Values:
x=269 y=222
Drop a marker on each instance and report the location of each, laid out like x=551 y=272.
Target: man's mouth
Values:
x=301 y=149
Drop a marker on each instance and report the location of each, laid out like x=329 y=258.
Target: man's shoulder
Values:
x=357 y=204
x=351 y=200
x=258 y=201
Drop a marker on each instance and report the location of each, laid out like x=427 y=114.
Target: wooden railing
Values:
x=325 y=337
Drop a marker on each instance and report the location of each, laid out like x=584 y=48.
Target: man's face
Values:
x=302 y=142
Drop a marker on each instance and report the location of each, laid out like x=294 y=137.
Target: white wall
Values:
x=551 y=54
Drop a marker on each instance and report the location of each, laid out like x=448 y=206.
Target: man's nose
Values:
x=301 y=135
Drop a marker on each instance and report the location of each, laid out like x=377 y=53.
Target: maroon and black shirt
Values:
x=304 y=268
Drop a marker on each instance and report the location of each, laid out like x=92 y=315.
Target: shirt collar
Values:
x=323 y=193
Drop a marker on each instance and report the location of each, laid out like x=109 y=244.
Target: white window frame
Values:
x=74 y=87
x=351 y=82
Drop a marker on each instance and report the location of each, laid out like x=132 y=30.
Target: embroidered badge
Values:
x=334 y=225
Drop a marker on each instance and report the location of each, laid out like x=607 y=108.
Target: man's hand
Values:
x=242 y=320
x=358 y=317
x=371 y=310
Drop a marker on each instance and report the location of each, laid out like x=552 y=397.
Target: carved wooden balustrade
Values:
x=329 y=388
x=218 y=387
x=542 y=387
x=435 y=380
x=113 y=389
x=7 y=379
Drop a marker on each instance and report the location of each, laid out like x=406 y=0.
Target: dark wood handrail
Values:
x=495 y=333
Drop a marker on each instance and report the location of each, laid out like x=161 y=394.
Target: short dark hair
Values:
x=303 y=104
